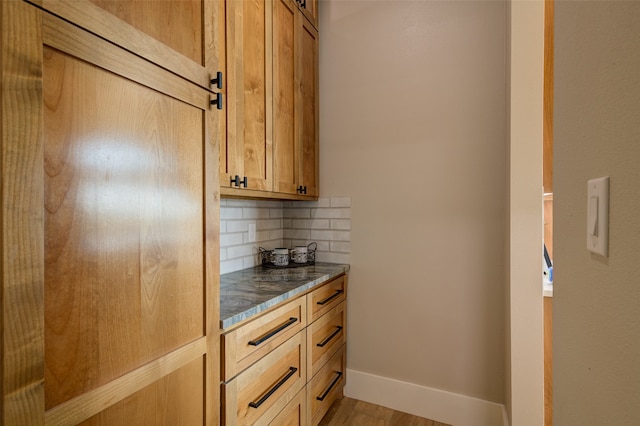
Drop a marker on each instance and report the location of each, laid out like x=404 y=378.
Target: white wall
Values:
x=413 y=128
x=597 y=133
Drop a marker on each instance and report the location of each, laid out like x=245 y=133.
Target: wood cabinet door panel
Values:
x=308 y=108
x=284 y=97
x=175 y=23
x=123 y=225
x=180 y=36
x=248 y=147
x=179 y=393
x=110 y=276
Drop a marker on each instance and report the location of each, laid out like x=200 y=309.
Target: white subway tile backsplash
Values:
x=330 y=235
x=255 y=213
x=341 y=202
x=340 y=246
x=331 y=213
x=227 y=240
x=297 y=234
x=284 y=224
x=309 y=224
x=330 y=257
x=304 y=213
x=343 y=224
x=236 y=226
x=230 y=213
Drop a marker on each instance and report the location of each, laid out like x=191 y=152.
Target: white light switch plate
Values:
x=598 y=216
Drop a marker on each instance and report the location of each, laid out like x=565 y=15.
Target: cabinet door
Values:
x=295 y=102
x=307 y=107
x=310 y=10
x=248 y=149
x=118 y=233
x=285 y=92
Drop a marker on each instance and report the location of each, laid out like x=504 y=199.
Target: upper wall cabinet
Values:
x=295 y=80
x=246 y=154
x=271 y=144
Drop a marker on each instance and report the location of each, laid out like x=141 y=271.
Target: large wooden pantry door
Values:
x=109 y=233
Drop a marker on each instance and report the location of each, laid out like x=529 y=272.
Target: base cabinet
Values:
x=294 y=379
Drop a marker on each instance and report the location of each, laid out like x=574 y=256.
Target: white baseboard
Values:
x=422 y=401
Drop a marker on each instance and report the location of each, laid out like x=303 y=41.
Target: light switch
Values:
x=598 y=216
x=592 y=216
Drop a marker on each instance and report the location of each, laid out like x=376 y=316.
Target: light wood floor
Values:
x=351 y=412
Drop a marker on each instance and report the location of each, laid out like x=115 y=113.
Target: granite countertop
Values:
x=250 y=291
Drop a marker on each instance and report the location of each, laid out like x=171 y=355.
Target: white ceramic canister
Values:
x=280 y=257
x=299 y=254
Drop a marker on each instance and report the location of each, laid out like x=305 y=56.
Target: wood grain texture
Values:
x=123 y=203
x=308 y=112
x=239 y=354
x=249 y=134
x=348 y=411
x=98 y=21
x=21 y=223
x=310 y=11
x=109 y=228
x=328 y=383
x=296 y=101
x=214 y=132
x=176 y=399
x=253 y=383
x=284 y=98
x=175 y=23
x=107 y=397
x=337 y=287
x=329 y=329
x=294 y=413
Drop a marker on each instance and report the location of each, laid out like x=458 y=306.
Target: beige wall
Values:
x=524 y=397
x=413 y=129
x=597 y=133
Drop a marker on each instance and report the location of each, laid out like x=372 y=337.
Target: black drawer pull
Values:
x=333 y=383
x=270 y=334
x=292 y=371
x=328 y=339
x=328 y=299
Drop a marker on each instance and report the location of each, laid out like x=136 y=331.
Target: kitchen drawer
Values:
x=248 y=343
x=260 y=392
x=294 y=414
x=326 y=387
x=324 y=337
x=326 y=297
